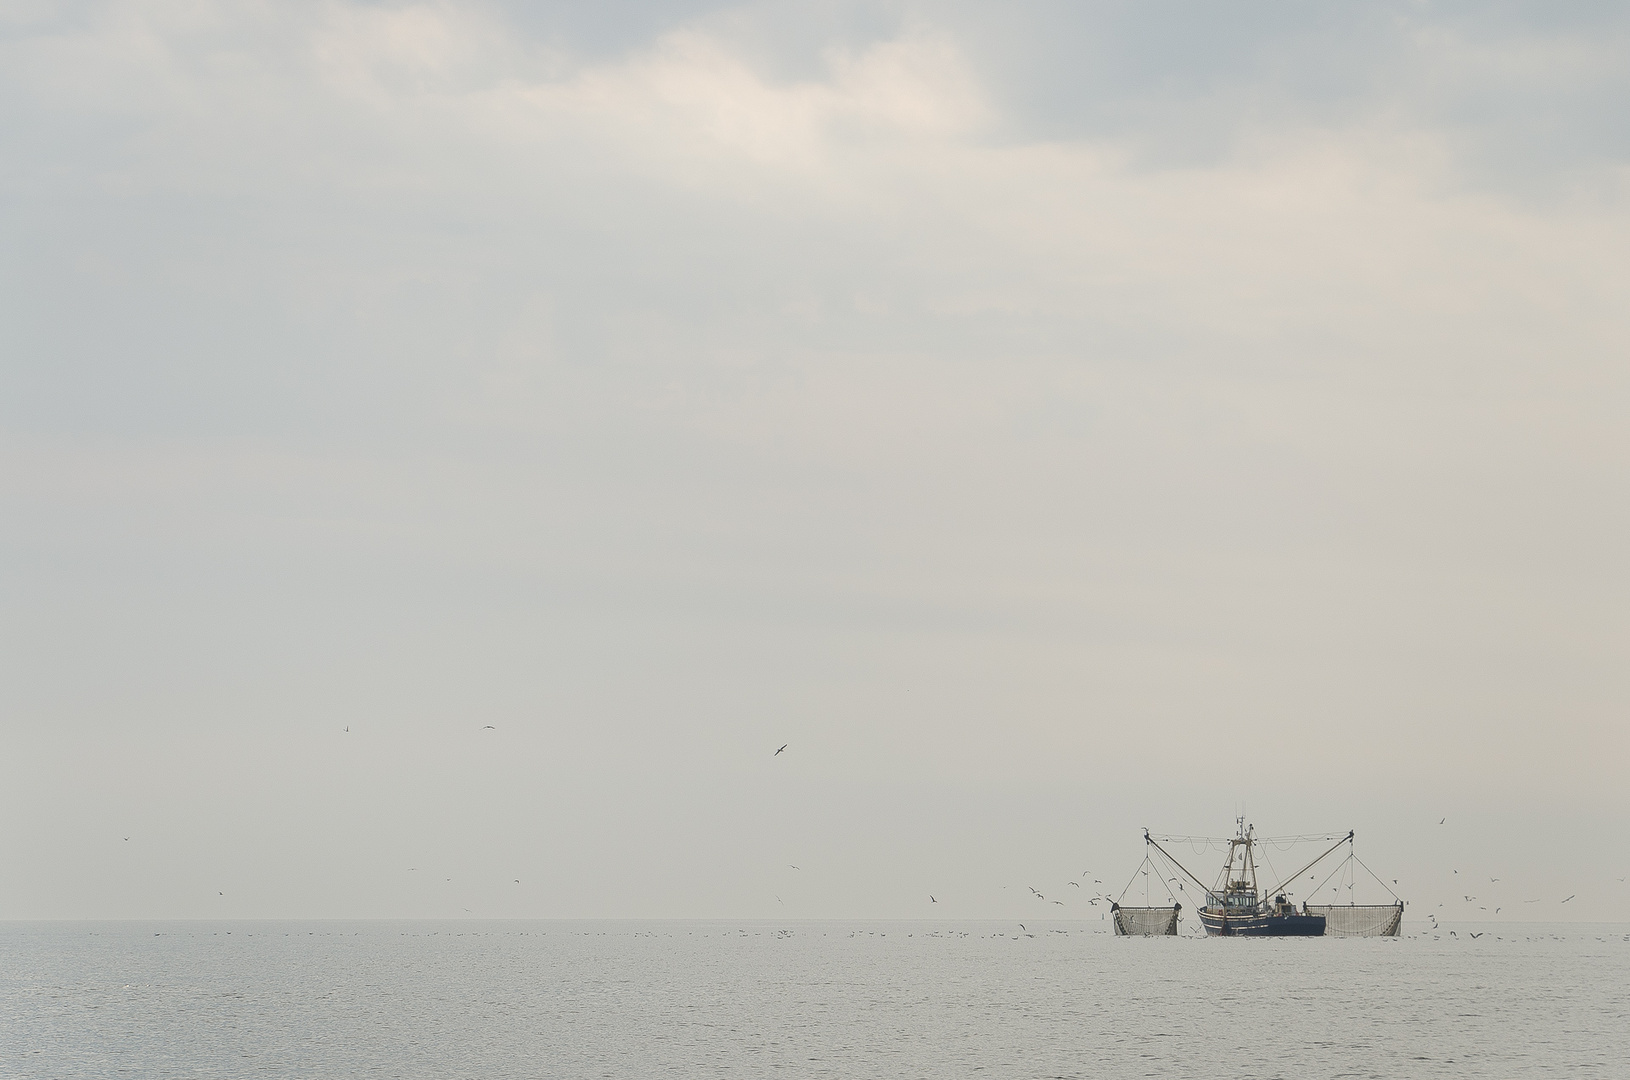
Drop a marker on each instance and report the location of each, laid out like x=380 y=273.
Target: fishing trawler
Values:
x=1235 y=905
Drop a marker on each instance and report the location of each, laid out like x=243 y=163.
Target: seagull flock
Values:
x=1098 y=896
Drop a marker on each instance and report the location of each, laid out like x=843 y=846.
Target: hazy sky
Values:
x=1046 y=419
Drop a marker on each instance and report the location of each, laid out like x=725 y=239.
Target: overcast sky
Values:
x=1045 y=419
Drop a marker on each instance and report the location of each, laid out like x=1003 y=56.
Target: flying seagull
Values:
x=488 y=727
x=1441 y=822
x=783 y=747
x=931 y=899
x=1570 y=898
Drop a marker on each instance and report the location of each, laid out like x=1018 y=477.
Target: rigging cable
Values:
x=1134 y=879
x=1270 y=867
x=1378 y=881
x=1327 y=877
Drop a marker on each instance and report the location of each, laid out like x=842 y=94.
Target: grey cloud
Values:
x=1526 y=89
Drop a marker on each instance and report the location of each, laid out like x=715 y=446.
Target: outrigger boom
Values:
x=1147 y=839
x=1344 y=840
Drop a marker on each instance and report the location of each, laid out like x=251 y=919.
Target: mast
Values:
x=1250 y=855
x=1241 y=852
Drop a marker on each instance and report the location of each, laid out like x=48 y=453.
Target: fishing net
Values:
x=1359 y=920
x=1146 y=921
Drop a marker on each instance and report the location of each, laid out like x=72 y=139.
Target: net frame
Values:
x=1360 y=920
x=1146 y=921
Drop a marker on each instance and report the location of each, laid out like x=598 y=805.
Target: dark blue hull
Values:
x=1262 y=925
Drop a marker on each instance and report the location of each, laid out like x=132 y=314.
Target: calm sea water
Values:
x=688 y=999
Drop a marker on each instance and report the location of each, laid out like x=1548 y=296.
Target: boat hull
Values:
x=1262 y=925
